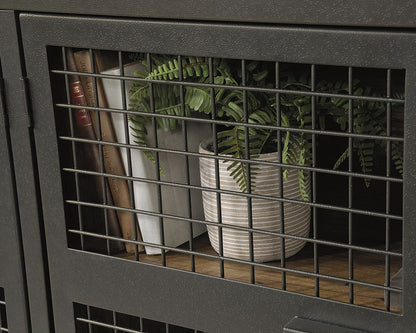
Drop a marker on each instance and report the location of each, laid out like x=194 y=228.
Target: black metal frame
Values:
x=190 y=299
x=14 y=315
x=21 y=227
x=384 y=13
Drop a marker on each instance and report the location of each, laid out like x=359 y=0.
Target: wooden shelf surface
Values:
x=367 y=268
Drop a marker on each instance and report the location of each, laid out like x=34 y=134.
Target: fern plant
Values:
x=370 y=118
x=228 y=106
x=295 y=112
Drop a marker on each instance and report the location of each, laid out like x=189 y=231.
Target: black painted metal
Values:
x=12 y=274
x=384 y=13
x=300 y=325
x=24 y=217
x=189 y=299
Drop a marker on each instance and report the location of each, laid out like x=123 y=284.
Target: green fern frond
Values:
x=234 y=145
x=301 y=175
x=191 y=67
x=341 y=159
x=365 y=150
x=397 y=157
x=258 y=108
x=139 y=134
x=198 y=99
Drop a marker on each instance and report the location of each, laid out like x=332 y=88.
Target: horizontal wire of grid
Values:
x=266 y=197
x=230 y=226
x=232 y=123
x=91 y=319
x=287 y=269
x=233 y=87
x=283 y=200
x=229 y=158
x=242 y=261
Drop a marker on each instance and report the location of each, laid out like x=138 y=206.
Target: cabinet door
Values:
x=337 y=91
x=13 y=295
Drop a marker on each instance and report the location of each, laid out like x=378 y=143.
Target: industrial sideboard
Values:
x=207 y=166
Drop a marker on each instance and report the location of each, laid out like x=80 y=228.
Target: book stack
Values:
x=102 y=127
x=92 y=189
x=153 y=200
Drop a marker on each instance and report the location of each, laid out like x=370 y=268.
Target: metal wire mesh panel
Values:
x=283 y=175
x=3 y=318
x=91 y=319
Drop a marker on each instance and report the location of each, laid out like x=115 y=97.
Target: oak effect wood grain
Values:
x=367 y=267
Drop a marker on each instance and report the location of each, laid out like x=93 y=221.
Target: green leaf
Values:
x=341 y=159
x=260 y=76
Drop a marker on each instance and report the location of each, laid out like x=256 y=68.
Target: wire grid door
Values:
x=292 y=160
x=241 y=190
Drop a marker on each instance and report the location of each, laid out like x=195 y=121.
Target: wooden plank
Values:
x=367 y=267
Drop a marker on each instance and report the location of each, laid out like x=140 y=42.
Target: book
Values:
x=91 y=188
x=111 y=154
x=174 y=199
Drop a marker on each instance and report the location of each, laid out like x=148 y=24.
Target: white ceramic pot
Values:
x=265 y=213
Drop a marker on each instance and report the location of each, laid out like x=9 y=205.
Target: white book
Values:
x=174 y=200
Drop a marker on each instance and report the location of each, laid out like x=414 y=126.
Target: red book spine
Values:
x=88 y=158
x=82 y=116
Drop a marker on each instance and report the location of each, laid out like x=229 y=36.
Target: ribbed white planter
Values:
x=265 y=213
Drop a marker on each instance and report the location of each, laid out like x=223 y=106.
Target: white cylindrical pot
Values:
x=265 y=213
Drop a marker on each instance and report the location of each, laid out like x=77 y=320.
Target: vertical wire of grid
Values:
x=115 y=321
x=3 y=322
x=280 y=174
x=128 y=152
x=157 y=163
x=100 y=149
x=74 y=148
x=3 y=319
x=314 y=185
x=141 y=324
x=188 y=178
x=388 y=173
x=217 y=168
x=248 y=173
x=118 y=323
x=97 y=325
x=350 y=189
x=89 y=319
x=2 y=326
